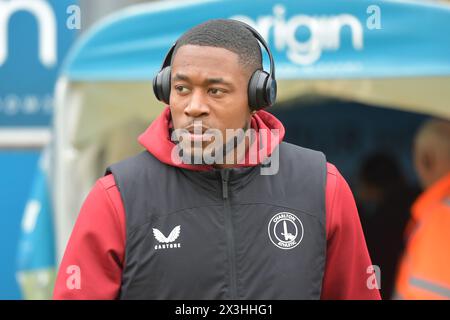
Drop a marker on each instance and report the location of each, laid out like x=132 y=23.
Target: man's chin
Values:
x=193 y=155
x=205 y=154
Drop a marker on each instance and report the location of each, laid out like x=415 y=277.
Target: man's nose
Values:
x=197 y=106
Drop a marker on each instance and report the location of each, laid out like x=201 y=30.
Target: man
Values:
x=161 y=228
x=424 y=272
x=385 y=198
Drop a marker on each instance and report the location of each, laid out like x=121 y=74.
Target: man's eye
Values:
x=216 y=91
x=181 y=89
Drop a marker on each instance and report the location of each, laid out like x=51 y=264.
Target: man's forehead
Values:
x=206 y=55
x=212 y=63
x=208 y=50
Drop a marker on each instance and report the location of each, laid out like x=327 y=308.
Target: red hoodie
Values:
x=94 y=258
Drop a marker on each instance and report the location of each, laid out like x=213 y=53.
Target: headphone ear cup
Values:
x=161 y=85
x=271 y=92
x=252 y=91
x=257 y=90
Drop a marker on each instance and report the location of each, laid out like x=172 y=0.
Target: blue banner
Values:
x=15 y=189
x=36 y=250
x=35 y=36
x=309 y=38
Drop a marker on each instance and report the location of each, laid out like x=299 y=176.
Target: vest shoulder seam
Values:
x=107 y=182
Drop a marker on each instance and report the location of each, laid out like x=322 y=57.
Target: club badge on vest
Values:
x=285 y=230
x=167 y=242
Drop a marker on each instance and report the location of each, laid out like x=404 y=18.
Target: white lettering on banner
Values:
x=46 y=28
x=325 y=33
x=12 y=105
x=32 y=212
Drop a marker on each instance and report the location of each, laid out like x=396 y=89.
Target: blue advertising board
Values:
x=309 y=39
x=34 y=39
x=35 y=36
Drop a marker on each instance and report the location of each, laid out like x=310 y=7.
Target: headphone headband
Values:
x=168 y=58
x=265 y=45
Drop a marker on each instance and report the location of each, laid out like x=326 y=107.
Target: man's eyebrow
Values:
x=218 y=81
x=182 y=77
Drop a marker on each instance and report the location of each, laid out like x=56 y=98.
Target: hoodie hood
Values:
x=270 y=133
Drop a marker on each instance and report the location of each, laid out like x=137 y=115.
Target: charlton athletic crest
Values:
x=285 y=230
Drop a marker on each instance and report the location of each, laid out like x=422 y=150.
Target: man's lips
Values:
x=198 y=133
x=200 y=130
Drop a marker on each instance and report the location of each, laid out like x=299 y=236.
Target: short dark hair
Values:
x=228 y=34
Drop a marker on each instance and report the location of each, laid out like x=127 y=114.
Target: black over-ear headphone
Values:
x=262 y=87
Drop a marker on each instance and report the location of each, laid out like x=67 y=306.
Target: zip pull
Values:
x=225 y=173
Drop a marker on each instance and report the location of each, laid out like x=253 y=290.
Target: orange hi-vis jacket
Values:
x=425 y=268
